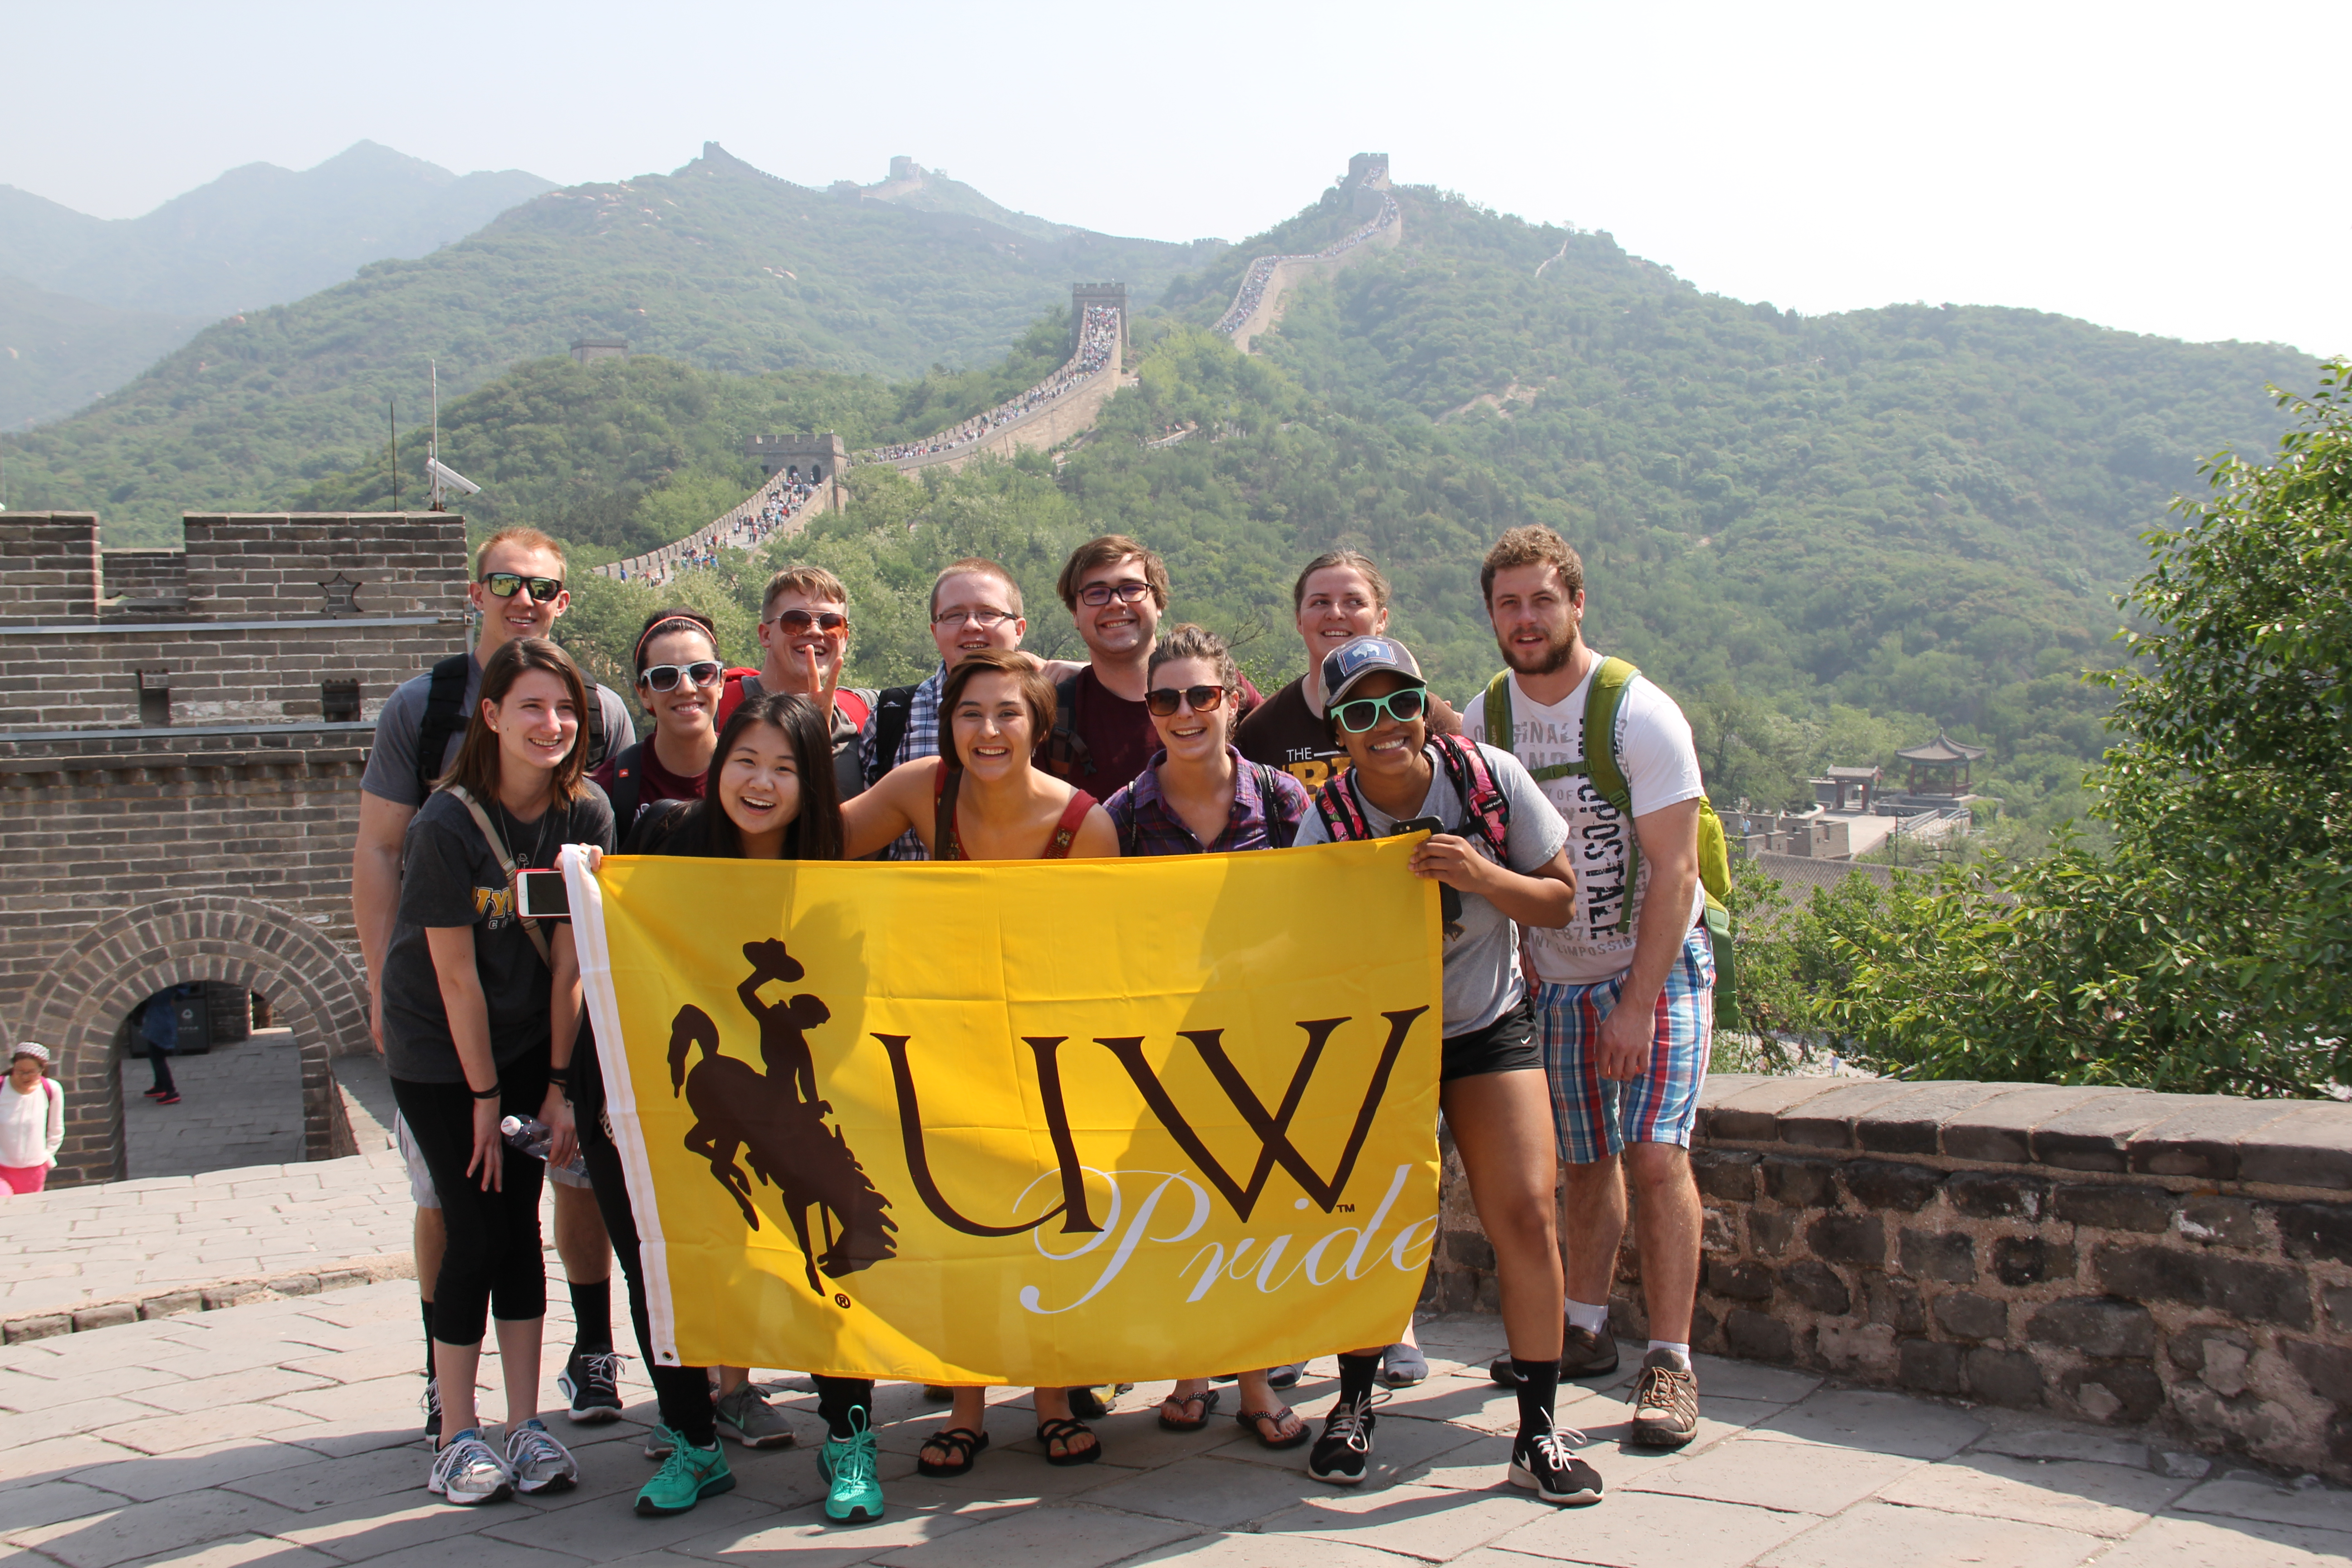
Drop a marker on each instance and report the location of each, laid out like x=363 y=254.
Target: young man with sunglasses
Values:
x=1625 y=1004
x=804 y=635
x=518 y=592
x=1116 y=590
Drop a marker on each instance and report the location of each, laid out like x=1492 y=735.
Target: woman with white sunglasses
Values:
x=679 y=678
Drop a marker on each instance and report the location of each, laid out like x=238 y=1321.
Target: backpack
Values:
x=1604 y=698
x=742 y=683
x=890 y=717
x=445 y=718
x=1064 y=756
x=1342 y=809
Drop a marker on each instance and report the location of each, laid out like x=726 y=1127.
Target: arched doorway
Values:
x=80 y=1007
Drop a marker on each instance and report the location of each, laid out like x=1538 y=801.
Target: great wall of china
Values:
x=804 y=471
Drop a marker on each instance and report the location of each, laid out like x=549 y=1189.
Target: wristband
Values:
x=489 y=1093
x=559 y=1077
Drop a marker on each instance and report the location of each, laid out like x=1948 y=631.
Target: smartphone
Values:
x=1417 y=825
x=544 y=896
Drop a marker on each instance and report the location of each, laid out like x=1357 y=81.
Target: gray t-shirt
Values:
x=1482 y=949
x=392 y=761
x=449 y=877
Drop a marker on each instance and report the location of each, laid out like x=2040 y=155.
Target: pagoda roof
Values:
x=1843 y=773
x=1942 y=749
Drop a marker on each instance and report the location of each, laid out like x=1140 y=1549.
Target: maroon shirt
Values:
x=654 y=782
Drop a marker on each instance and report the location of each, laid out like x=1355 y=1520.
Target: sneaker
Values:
x=589 y=1383
x=433 y=1412
x=153 y=1093
x=170 y=1097
x=1665 y=1404
x=688 y=1475
x=660 y=1442
x=845 y=1464
x=748 y=1418
x=1285 y=1375
x=1544 y=1463
x=468 y=1471
x=1094 y=1404
x=539 y=1463
x=1344 y=1452
x=1582 y=1354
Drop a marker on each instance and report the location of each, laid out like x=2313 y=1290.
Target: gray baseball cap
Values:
x=1346 y=666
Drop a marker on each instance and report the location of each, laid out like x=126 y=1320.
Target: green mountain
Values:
x=717 y=266
x=57 y=353
x=258 y=235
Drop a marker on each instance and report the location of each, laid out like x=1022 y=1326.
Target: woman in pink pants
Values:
x=32 y=1120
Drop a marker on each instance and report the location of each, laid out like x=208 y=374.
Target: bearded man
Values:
x=1624 y=996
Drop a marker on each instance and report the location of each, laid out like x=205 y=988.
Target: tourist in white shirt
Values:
x=32 y=1120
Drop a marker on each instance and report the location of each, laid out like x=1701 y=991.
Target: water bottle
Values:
x=532 y=1136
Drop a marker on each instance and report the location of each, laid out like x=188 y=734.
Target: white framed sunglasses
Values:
x=666 y=677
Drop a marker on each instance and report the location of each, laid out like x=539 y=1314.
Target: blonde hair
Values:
x=527 y=538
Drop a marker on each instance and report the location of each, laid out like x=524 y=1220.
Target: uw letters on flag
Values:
x=1037 y=1122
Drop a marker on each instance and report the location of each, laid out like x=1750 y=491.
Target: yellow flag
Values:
x=1037 y=1123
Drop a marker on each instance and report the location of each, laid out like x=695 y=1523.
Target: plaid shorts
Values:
x=1596 y=1117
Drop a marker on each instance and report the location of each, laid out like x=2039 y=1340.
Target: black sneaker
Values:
x=1582 y=1354
x=1344 y=1452
x=1542 y=1462
x=588 y=1384
x=433 y=1411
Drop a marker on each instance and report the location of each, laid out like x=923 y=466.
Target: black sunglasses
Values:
x=798 y=621
x=1359 y=714
x=664 y=676
x=504 y=585
x=1162 y=699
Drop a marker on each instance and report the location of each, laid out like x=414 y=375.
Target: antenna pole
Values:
x=433 y=451
x=392 y=421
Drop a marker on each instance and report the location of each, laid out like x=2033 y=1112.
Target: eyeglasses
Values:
x=665 y=676
x=505 y=584
x=1359 y=714
x=1162 y=699
x=1100 y=594
x=983 y=619
x=799 y=623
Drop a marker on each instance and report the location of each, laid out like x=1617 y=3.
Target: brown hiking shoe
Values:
x=1583 y=1353
x=1665 y=1404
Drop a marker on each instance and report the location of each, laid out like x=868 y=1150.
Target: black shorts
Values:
x=1506 y=1045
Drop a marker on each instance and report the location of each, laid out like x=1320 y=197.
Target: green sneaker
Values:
x=846 y=1466
x=686 y=1478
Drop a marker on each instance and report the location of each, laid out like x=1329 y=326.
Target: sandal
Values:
x=1207 y=1401
x=1404 y=1365
x=1254 y=1419
x=1051 y=1432
x=961 y=1444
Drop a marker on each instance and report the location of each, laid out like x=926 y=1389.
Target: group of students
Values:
x=1576 y=970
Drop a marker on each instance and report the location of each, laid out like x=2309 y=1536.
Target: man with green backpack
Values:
x=1624 y=1002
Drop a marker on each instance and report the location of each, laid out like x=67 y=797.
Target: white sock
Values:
x=1586 y=1316
x=1681 y=1353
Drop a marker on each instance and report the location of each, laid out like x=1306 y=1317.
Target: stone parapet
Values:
x=2113 y=1255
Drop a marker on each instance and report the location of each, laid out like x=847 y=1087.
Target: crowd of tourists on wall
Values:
x=748 y=527
x=1261 y=271
x=1097 y=338
x=1577 y=975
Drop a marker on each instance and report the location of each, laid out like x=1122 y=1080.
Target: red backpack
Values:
x=741 y=681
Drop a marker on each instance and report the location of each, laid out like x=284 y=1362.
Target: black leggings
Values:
x=683 y=1393
x=492 y=1261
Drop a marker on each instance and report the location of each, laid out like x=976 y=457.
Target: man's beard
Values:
x=1551 y=659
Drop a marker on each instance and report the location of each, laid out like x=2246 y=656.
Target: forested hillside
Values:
x=718 y=265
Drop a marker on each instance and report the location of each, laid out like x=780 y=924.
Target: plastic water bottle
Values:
x=532 y=1137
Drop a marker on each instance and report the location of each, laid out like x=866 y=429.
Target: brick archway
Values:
x=313 y=987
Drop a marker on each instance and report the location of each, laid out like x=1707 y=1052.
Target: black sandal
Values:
x=1207 y=1400
x=961 y=1444
x=1051 y=1432
x=1251 y=1419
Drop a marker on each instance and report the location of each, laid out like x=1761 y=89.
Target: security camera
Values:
x=450 y=477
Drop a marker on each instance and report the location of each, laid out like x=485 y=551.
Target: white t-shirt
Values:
x=1653 y=746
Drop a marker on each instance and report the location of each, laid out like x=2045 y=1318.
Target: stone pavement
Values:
x=240 y=1105
x=284 y=1433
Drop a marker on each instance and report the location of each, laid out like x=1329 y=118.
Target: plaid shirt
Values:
x=1147 y=825
x=920 y=740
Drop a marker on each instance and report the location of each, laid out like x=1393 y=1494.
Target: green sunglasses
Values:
x=506 y=585
x=1359 y=714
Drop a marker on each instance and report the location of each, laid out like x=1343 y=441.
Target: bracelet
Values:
x=559 y=1077
x=489 y=1093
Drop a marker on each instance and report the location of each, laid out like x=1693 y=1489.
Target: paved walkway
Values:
x=239 y=1105
x=284 y=1433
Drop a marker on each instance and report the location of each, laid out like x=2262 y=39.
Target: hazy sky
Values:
x=2154 y=166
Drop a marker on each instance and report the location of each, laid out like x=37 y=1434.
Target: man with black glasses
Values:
x=517 y=592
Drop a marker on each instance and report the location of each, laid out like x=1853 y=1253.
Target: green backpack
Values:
x=1602 y=700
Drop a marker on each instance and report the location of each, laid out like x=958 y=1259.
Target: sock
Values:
x=428 y=1336
x=592 y=1316
x=1538 y=1390
x=1680 y=1353
x=1356 y=1376
x=1584 y=1315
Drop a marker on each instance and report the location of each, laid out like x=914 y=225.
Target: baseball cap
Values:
x=1345 y=666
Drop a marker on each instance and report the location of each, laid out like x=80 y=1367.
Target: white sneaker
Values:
x=468 y=1471
x=539 y=1462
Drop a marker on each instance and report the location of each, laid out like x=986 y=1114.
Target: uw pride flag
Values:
x=1037 y=1123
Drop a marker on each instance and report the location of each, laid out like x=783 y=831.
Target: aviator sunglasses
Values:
x=505 y=584
x=799 y=623
x=1359 y=714
x=665 y=676
x=1162 y=699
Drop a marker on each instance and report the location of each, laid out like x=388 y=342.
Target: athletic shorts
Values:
x=1506 y=1045
x=1596 y=1117
x=420 y=1180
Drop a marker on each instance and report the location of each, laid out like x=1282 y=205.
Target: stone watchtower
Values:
x=182 y=734
x=1084 y=294
x=816 y=460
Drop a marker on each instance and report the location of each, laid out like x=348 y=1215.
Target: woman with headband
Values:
x=678 y=677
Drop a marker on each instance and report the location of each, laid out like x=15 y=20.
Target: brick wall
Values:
x=2115 y=1255
x=262 y=566
x=144 y=574
x=48 y=566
